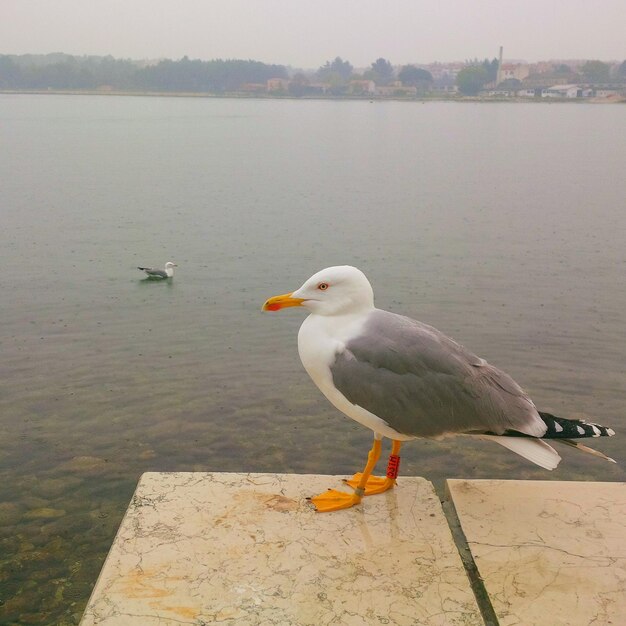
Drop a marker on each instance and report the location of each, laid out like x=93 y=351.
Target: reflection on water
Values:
x=502 y=225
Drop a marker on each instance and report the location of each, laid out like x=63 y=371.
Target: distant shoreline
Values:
x=268 y=96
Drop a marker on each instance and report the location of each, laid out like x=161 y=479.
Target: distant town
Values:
x=487 y=79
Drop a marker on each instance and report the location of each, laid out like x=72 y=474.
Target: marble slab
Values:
x=247 y=549
x=549 y=553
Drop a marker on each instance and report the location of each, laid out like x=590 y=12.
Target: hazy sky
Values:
x=305 y=33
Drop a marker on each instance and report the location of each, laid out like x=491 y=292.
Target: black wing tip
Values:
x=562 y=428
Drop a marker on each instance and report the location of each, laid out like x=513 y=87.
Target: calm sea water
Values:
x=504 y=225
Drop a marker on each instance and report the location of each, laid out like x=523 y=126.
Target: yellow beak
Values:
x=281 y=302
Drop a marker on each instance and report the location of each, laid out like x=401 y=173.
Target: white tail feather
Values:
x=584 y=448
x=535 y=450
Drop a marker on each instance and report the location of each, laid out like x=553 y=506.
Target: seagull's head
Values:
x=334 y=291
x=170 y=264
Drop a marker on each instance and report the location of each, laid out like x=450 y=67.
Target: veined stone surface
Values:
x=549 y=553
x=247 y=549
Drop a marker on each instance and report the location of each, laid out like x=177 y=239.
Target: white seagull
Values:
x=404 y=379
x=160 y=274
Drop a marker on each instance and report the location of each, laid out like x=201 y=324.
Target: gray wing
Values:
x=424 y=384
x=152 y=272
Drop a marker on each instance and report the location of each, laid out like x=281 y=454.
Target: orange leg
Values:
x=333 y=500
x=379 y=484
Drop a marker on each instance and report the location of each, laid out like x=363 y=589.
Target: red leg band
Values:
x=393 y=466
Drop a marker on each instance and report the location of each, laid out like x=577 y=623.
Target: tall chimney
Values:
x=499 y=72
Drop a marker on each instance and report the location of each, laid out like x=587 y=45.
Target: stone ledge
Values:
x=549 y=553
x=247 y=549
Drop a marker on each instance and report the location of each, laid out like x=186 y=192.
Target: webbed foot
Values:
x=333 y=500
x=374 y=484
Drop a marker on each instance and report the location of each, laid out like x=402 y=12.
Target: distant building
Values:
x=499 y=93
x=543 y=81
x=567 y=91
x=519 y=71
x=542 y=67
x=443 y=71
x=252 y=87
x=277 y=84
x=609 y=92
x=508 y=72
x=362 y=86
x=441 y=87
x=444 y=83
x=396 y=89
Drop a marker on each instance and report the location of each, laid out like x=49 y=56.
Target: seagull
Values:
x=160 y=274
x=405 y=380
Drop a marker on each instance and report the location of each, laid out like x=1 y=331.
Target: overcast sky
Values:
x=306 y=33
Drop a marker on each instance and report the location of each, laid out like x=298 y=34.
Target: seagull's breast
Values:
x=320 y=339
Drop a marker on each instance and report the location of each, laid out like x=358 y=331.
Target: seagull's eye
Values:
x=323 y=286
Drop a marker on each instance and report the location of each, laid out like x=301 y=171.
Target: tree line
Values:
x=68 y=72
x=380 y=71
x=62 y=71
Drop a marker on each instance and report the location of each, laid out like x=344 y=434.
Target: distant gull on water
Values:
x=159 y=274
x=404 y=380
